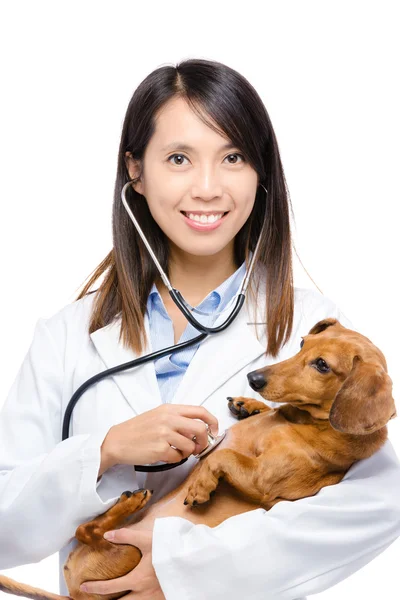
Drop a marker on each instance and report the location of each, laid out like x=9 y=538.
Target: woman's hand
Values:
x=148 y=438
x=142 y=581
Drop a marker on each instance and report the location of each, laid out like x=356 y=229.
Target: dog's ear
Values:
x=322 y=325
x=364 y=403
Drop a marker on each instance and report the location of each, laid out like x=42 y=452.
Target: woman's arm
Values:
x=294 y=549
x=47 y=487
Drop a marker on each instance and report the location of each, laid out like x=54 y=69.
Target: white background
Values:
x=328 y=75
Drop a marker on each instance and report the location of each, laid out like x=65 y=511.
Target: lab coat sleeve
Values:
x=294 y=549
x=47 y=486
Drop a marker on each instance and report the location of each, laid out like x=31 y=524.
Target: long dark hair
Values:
x=214 y=89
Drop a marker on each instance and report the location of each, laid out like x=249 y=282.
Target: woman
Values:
x=196 y=138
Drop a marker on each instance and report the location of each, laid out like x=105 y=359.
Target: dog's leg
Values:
x=239 y=470
x=243 y=407
x=91 y=533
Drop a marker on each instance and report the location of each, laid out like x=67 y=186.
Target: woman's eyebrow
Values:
x=187 y=147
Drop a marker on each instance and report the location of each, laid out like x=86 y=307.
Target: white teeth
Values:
x=204 y=218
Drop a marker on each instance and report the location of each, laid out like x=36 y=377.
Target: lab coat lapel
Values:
x=218 y=358
x=138 y=384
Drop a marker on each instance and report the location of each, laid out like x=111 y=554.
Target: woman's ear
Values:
x=364 y=403
x=134 y=169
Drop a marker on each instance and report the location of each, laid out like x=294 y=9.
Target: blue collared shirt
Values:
x=171 y=368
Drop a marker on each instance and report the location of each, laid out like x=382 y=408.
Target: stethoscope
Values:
x=186 y=309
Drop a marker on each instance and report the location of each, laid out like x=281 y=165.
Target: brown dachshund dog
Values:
x=337 y=399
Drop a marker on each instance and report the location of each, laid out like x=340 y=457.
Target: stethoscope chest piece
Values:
x=213 y=441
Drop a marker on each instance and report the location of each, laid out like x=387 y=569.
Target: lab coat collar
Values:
x=218 y=358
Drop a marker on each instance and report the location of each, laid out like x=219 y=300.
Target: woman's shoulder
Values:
x=312 y=306
x=306 y=300
x=70 y=321
x=77 y=309
x=309 y=303
x=309 y=299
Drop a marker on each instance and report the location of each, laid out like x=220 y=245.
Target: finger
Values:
x=184 y=445
x=129 y=582
x=120 y=584
x=139 y=537
x=189 y=428
x=198 y=412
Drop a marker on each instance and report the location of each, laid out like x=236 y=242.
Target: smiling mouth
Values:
x=206 y=214
x=203 y=219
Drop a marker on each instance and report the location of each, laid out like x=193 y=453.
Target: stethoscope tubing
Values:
x=186 y=309
x=140 y=361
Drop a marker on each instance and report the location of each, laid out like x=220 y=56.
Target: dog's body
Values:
x=334 y=413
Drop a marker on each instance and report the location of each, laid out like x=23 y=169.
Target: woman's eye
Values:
x=173 y=156
x=301 y=343
x=321 y=365
x=181 y=156
x=236 y=154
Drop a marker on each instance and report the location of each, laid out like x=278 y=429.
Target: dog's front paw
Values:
x=244 y=407
x=200 y=491
x=136 y=499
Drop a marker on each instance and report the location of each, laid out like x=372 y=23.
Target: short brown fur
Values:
x=328 y=421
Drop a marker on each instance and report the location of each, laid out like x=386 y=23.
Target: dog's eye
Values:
x=321 y=365
x=301 y=343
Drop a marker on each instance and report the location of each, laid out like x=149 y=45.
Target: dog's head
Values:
x=338 y=374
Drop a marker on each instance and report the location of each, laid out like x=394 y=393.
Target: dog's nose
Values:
x=256 y=380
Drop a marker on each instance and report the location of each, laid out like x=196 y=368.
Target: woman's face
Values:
x=207 y=177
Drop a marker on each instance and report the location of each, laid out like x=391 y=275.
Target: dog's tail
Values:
x=9 y=586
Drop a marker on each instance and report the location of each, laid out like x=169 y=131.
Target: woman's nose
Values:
x=207 y=186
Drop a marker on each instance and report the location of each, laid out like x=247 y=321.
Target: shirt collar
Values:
x=217 y=299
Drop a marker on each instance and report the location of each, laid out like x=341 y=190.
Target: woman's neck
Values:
x=196 y=279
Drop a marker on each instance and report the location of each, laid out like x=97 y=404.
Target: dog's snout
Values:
x=256 y=380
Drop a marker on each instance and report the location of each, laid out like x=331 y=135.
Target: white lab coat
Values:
x=48 y=486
